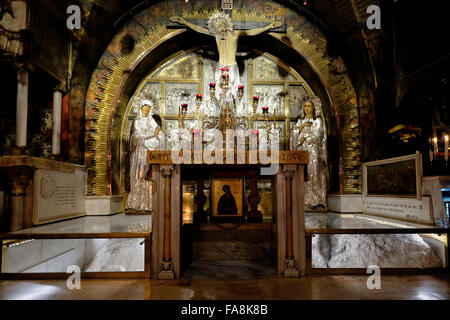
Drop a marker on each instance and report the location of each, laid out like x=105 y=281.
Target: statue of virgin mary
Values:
x=310 y=134
x=145 y=135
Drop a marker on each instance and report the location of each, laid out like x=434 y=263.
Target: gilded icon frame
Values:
x=237 y=190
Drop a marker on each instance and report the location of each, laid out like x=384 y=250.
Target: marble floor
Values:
x=317 y=287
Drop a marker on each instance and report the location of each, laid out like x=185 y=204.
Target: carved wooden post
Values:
x=291 y=268
x=167 y=271
x=254 y=215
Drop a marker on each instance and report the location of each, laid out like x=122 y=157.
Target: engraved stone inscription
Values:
x=65 y=195
x=406 y=209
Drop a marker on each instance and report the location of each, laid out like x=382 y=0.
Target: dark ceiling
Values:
x=421 y=30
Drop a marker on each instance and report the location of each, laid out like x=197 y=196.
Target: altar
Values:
x=288 y=209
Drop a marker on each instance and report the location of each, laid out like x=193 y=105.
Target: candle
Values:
x=274 y=117
x=56 y=132
x=435 y=148
x=22 y=108
x=446 y=147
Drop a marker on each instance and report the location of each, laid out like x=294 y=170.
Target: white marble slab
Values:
x=58 y=195
x=103 y=205
x=93 y=225
x=345 y=202
x=433 y=186
x=409 y=209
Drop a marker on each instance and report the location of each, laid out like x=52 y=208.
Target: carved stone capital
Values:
x=19 y=179
x=61 y=87
x=19 y=150
x=167 y=171
x=289 y=171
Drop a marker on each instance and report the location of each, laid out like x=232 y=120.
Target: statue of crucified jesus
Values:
x=221 y=27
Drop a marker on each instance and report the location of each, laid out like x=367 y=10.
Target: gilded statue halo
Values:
x=217 y=21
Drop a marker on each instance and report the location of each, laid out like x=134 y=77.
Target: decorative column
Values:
x=56 y=128
x=290 y=265
x=167 y=270
x=19 y=179
x=22 y=108
x=254 y=215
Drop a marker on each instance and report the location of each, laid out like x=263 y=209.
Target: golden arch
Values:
x=114 y=68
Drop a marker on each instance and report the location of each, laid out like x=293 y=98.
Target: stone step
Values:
x=246 y=232
x=230 y=250
x=227 y=241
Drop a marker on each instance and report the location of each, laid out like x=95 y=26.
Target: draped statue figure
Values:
x=145 y=135
x=310 y=134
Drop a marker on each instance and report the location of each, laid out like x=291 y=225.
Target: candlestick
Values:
x=182 y=112
x=198 y=100
x=240 y=92
x=255 y=103
x=435 y=148
x=212 y=90
x=446 y=147
x=184 y=109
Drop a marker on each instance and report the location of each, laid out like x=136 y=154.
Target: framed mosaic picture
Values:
x=395 y=177
x=227 y=198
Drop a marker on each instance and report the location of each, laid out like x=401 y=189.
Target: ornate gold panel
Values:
x=265 y=69
x=184 y=67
